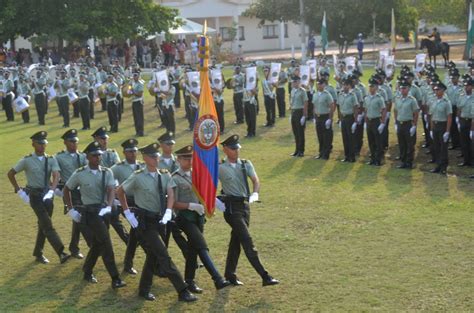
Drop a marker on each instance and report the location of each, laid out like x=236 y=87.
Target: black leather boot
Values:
x=219 y=282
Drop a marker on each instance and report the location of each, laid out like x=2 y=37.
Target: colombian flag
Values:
x=206 y=136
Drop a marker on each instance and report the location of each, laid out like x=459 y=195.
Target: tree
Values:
x=79 y=20
x=442 y=11
x=344 y=17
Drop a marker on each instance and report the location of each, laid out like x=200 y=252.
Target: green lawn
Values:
x=340 y=237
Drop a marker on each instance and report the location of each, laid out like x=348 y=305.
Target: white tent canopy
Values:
x=188 y=28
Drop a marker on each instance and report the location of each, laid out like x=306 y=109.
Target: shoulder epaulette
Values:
x=61 y=152
x=110 y=150
x=138 y=171
x=49 y=156
x=163 y=171
x=81 y=168
x=121 y=162
x=28 y=155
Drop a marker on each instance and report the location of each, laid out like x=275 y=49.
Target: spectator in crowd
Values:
x=311 y=45
x=360 y=46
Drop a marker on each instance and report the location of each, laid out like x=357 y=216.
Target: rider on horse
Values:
x=437 y=38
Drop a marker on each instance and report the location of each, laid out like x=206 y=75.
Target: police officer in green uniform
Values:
x=388 y=104
x=349 y=109
x=109 y=158
x=122 y=171
x=38 y=85
x=97 y=194
x=84 y=105
x=39 y=192
x=291 y=74
x=454 y=91
x=406 y=118
x=69 y=160
x=137 y=104
x=360 y=92
x=234 y=201
x=153 y=193
x=465 y=112
x=299 y=112
x=269 y=97
x=7 y=100
x=374 y=110
x=239 y=82
x=63 y=84
x=190 y=218
x=324 y=107
x=280 y=93
x=111 y=91
x=441 y=118
x=169 y=108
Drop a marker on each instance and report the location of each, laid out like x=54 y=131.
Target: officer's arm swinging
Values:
x=67 y=197
x=11 y=176
x=256 y=183
x=170 y=199
x=110 y=195
x=55 y=182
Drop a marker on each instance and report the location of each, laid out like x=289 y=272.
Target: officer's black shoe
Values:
x=460 y=155
x=42 y=259
x=425 y=146
x=370 y=163
x=130 y=270
x=403 y=165
x=453 y=148
x=118 y=283
x=77 y=255
x=235 y=282
x=147 y=295
x=463 y=164
x=90 y=278
x=294 y=154
x=269 y=281
x=377 y=163
x=193 y=287
x=409 y=166
x=397 y=158
x=186 y=296
x=431 y=161
x=222 y=283
x=63 y=257
x=443 y=171
x=300 y=155
x=345 y=160
x=436 y=170
x=317 y=157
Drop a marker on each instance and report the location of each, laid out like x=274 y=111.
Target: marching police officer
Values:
x=190 y=218
x=280 y=93
x=39 y=192
x=441 y=118
x=299 y=112
x=70 y=160
x=97 y=194
x=406 y=118
x=269 y=97
x=349 y=109
x=7 y=100
x=122 y=171
x=153 y=193
x=454 y=92
x=374 y=108
x=236 y=197
x=324 y=107
x=109 y=156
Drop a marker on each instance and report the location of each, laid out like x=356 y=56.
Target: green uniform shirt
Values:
x=415 y=92
x=358 y=93
x=183 y=192
x=63 y=86
x=454 y=93
x=90 y=183
x=83 y=89
x=111 y=88
x=322 y=102
x=440 y=110
x=405 y=108
x=8 y=85
x=109 y=158
x=332 y=91
x=232 y=177
x=373 y=104
x=298 y=98
x=69 y=162
x=388 y=90
x=123 y=170
x=23 y=89
x=466 y=105
x=137 y=87
x=34 y=167
x=39 y=84
x=169 y=164
x=282 y=79
x=169 y=101
x=143 y=186
x=347 y=102
x=239 y=81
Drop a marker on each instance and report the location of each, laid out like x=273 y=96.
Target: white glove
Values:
x=412 y=131
x=328 y=123
x=381 y=128
x=156 y=89
x=196 y=207
x=167 y=217
x=459 y=127
x=76 y=216
x=458 y=123
x=446 y=137
x=58 y=192
x=365 y=126
x=132 y=220
x=353 y=127
x=220 y=205
x=116 y=202
x=130 y=92
x=359 y=118
x=253 y=197
x=49 y=195
x=303 y=120
x=471 y=134
x=339 y=124
x=395 y=126
x=425 y=117
x=431 y=134
x=106 y=210
x=457 y=119
x=23 y=196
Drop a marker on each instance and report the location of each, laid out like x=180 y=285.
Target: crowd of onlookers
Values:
x=142 y=52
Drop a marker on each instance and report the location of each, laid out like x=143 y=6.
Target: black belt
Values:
x=145 y=213
x=322 y=115
x=374 y=119
x=347 y=115
x=92 y=208
x=405 y=122
x=294 y=110
x=439 y=122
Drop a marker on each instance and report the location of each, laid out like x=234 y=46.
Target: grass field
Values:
x=340 y=237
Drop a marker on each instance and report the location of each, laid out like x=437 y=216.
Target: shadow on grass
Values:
x=311 y=167
x=438 y=193
x=282 y=167
x=399 y=181
x=365 y=176
x=339 y=173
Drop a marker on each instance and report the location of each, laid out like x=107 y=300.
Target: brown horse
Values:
x=434 y=50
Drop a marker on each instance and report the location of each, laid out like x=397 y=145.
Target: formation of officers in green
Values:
x=446 y=111
x=156 y=198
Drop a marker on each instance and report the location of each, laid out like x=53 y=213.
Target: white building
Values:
x=222 y=15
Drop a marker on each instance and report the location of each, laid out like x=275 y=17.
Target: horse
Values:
x=433 y=50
